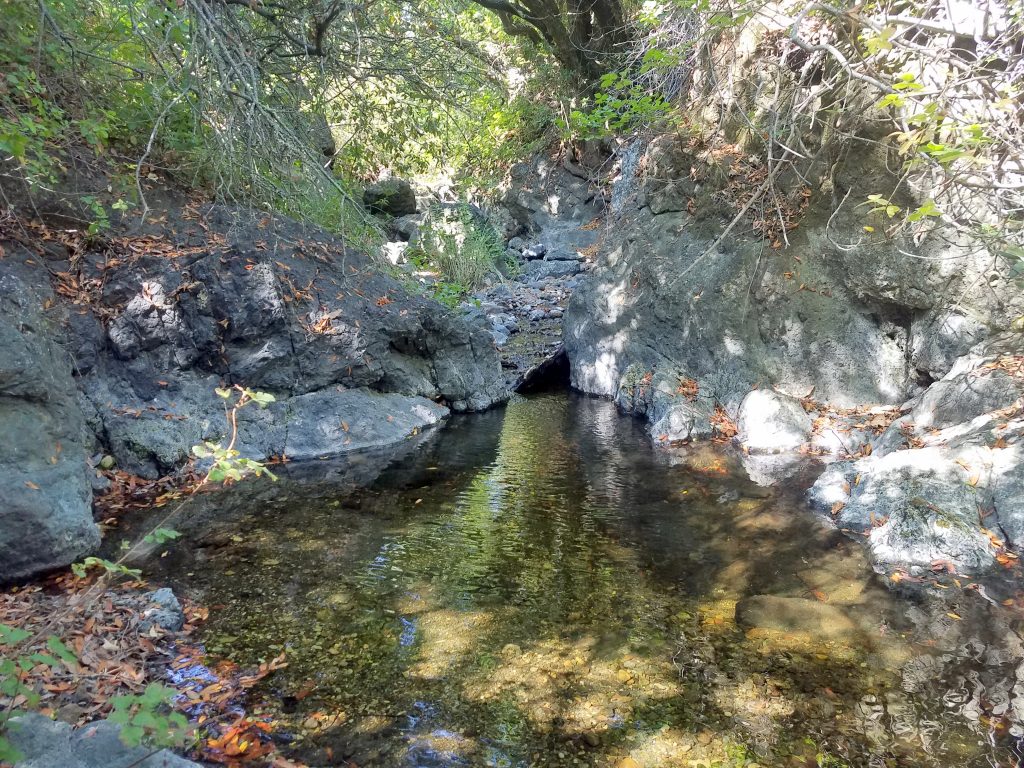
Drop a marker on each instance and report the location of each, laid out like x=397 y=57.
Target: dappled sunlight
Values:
x=564 y=595
x=445 y=638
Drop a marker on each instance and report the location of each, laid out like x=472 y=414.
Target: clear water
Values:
x=539 y=586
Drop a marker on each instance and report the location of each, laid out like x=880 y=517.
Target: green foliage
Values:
x=463 y=247
x=621 y=105
x=880 y=204
x=161 y=536
x=81 y=569
x=227 y=464
x=148 y=718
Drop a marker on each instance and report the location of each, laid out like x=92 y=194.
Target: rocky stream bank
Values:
x=899 y=370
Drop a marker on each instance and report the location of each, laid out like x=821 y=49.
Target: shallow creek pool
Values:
x=540 y=586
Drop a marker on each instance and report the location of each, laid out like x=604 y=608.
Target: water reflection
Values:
x=537 y=586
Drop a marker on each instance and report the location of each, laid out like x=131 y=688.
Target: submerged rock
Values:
x=794 y=614
x=46 y=513
x=47 y=743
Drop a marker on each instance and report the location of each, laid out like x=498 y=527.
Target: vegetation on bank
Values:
x=293 y=106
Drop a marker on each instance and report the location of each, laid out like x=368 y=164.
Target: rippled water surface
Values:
x=539 y=586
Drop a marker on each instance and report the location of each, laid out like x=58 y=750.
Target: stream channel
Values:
x=538 y=585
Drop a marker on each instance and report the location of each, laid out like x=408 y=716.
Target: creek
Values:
x=539 y=585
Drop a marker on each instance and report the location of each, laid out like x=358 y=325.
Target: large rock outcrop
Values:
x=850 y=318
x=124 y=359
x=46 y=513
x=272 y=306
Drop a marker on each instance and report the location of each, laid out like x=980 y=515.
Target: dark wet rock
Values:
x=793 y=614
x=46 y=514
x=534 y=252
x=393 y=196
x=545 y=270
x=47 y=743
x=280 y=308
x=163 y=612
x=770 y=422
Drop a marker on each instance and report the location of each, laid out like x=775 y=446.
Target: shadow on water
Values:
x=538 y=586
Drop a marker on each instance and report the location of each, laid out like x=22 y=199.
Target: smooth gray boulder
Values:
x=769 y=422
x=46 y=743
x=328 y=423
x=46 y=509
x=393 y=196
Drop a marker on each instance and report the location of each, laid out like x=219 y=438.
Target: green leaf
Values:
x=132 y=735
x=161 y=536
x=928 y=209
x=12 y=635
x=8 y=754
x=61 y=651
x=263 y=398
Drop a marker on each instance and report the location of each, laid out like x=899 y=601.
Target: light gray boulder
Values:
x=46 y=743
x=769 y=422
x=330 y=423
x=915 y=507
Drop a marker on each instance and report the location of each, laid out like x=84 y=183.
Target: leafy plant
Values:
x=621 y=105
x=227 y=463
x=462 y=246
x=148 y=717
x=81 y=569
x=16 y=677
x=160 y=536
